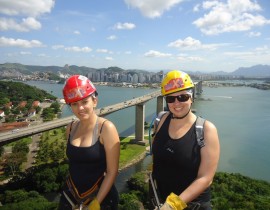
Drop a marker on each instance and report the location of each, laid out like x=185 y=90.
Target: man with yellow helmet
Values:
x=183 y=170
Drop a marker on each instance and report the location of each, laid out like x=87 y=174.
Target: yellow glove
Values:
x=94 y=205
x=174 y=202
x=165 y=206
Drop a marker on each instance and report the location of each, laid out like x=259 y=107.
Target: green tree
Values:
x=13 y=162
x=56 y=107
x=20 y=199
x=38 y=109
x=15 y=196
x=2 y=150
x=128 y=201
x=10 y=118
x=48 y=114
x=16 y=111
x=46 y=180
x=3 y=100
x=20 y=146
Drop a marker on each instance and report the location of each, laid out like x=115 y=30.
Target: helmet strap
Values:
x=179 y=118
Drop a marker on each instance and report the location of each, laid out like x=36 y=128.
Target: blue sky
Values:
x=189 y=35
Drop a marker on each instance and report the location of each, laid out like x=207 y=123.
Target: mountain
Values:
x=9 y=70
x=253 y=71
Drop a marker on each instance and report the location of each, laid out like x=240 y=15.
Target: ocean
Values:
x=241 y=115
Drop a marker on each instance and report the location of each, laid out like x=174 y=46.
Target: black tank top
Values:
x=86 y=164
x=176 y=161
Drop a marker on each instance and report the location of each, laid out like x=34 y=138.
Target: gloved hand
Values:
x=94 y=205
x=173 y=202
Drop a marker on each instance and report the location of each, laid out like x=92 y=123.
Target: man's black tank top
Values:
x=176 y=161
x=86 y=164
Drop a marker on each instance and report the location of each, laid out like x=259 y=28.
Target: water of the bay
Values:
x=241 y=115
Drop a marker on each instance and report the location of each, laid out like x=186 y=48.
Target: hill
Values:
x=15 y=70
x=253 y=71
x=11 y=70
x=17 y=92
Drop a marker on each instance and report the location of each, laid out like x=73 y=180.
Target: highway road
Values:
x=7 y=137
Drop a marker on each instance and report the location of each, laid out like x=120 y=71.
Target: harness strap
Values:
x=70 y=128
x=69 y=200
x=199 y=131
x=87 y=196
x=95 y=132
x=199 y=128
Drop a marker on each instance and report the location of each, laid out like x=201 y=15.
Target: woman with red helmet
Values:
x=184 y=160
x=93 y=150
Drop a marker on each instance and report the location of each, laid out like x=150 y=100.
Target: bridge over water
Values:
x=139 y=102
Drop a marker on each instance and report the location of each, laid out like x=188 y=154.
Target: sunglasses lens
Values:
x=183 y=97
x=170 y=99
x=180 y=98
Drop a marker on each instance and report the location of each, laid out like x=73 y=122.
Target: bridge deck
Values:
x=7 y=137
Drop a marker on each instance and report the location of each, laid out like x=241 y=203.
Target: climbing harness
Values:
x=82 y=199
x=199 y=129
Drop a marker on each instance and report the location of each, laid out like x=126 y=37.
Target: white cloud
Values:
x=78 y=49
x=43 y=55
x=254 y=34
x=124 y=26
x=77 y=32
x=157 y=54
x=192 y=44
x=11 y=54
x=240 y=55
x=25 y=53
x=10 y=42
x=26 y=25
x=30 y=8
x=209 y=4
x=196 y=8
x=254 y=55
x=189 y=58
x=231 y=16
x=103 y=51
x=152 y=8
x=109 y=58
x=56 y=47
x=112 y=37
x=263 y=49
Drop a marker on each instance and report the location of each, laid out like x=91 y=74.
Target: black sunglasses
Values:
x=180 y=98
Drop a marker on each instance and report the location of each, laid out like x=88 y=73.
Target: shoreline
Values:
x=133 y=162
x=243 y=83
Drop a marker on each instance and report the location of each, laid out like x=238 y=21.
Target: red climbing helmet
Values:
x=76 y=88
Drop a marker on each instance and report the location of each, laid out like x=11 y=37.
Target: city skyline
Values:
x=150 y=35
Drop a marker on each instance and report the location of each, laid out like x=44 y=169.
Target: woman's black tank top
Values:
x=176 y=161
x=86 y=164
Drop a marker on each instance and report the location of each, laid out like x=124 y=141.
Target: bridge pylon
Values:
x=139 y=124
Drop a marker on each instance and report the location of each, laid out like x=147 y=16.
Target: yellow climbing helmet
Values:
x=175 y=81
